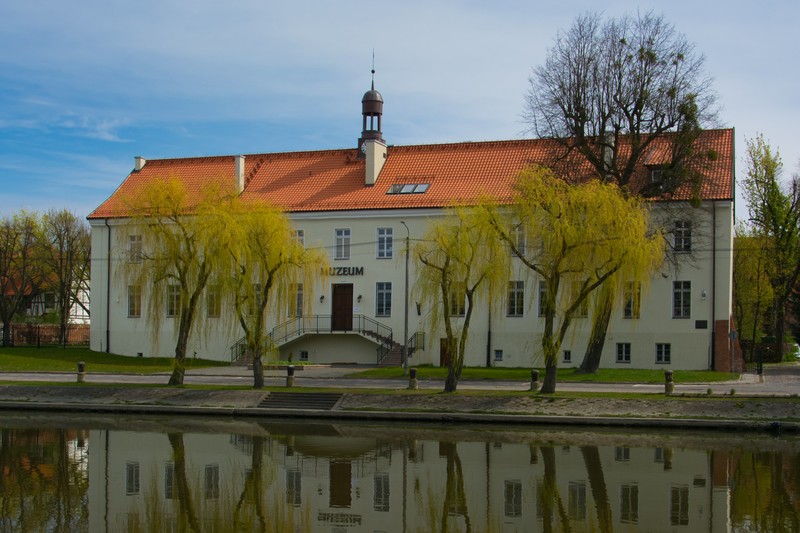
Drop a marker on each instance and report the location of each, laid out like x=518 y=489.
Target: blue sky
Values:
x=87 y=85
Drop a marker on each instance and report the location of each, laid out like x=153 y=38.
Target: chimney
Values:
x=239 y=170
x=138 y=163
x=375 y=152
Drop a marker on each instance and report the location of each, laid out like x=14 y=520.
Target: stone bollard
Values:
x=290 y=376
x=534 y=380
x=81 y=371
x=669 y=385
x=413 y=384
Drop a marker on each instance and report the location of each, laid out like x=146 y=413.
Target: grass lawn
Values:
x=604 y=375
x=57 y=359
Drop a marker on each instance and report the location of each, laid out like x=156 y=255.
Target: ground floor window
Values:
x=383 y=298
x=567 y=356
x=623 y=352
x=663 y=353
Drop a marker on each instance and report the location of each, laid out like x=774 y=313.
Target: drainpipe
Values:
x=108 y=289
x=714 y=285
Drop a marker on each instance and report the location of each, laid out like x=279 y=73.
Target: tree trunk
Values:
x=7 y=340
x=186 y=509
x=597 y=482
x=597 y=339
x=258 y=369
x=451 y=383
x=179 y=370
x=780 y=327
x=549 y=384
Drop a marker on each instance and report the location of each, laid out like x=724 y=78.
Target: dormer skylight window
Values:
x=408 y=188
x=656 y=175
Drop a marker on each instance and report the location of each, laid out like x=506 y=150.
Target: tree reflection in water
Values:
x=264 y=478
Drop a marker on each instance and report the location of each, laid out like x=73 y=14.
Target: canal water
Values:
x=100 y=473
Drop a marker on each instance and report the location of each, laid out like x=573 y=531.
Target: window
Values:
x=517 y=235
x=458 y=296
x=135 y=248
x=513 y=499
x=134 y=301
x=622 y=453
x=212 y=482
x=498 y=355
x=682 y=233
x=567 y=356
x=304 y=355
x=632 y=299
x=213 y=303
x=577 y=500
x=383 y=298
x=583 y=309
x=679 y=506
x=132 y=477
x=342 y=243
x=629 y=504
x=656 y=175
x=380 y=501
x=173 y=300
x=663 y=353
x=516 y=297
x=623 y=352
x=169 y=481
x=385 y=242
x=542 y=297
x=300 y=237
x=408 y=188
x=296 y=300
x=681 y=299
x=293 y=486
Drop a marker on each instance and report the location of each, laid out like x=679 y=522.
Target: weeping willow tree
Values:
x=265 y=264
x=171 y=247
x=461 y=260
x=575 y=239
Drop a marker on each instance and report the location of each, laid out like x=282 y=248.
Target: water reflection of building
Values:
x=329 y=482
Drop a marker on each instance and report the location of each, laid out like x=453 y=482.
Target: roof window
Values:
x=408 y=188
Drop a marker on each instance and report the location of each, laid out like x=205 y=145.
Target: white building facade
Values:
x=363 y=206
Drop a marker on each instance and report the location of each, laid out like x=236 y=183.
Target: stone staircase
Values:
x=317 y=401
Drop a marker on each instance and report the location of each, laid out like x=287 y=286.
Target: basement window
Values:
x=408 y=188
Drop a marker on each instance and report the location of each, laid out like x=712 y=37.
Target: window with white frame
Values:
x=632 y=299
x=498 y=355
x=342 y=243
x=173 y=300
x=132 y=477
x=663 y=353
x=516 y=298
x=682 y=234
x=381 y=496
x=296 y=300
x=567 y=356
x=513 y=498
x=213 y=302
x=681 y=299
x=517 y=236
x=134 y=301
x=629 y=504
x=623 y=352
x=293 y=486
x=679 y=505
x=300 y=237
x=169 y=481
x=542 y=297
x=135 y=251
x=458 y=299
x=212 y=482
x=576 y=500
x=385 y=243
x=383 y=298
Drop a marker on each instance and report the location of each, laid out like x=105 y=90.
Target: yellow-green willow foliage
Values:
x=461 y=261
x=168 y=253
x=265 y=263
x=575 y=238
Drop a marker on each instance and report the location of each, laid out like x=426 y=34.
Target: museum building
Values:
x=365 y=205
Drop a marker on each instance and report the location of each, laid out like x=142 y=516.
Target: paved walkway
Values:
x=778 y=380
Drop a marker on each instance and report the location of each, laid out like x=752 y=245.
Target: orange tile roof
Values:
x=333 y=180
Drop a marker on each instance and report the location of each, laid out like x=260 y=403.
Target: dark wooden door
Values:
x=342 y=307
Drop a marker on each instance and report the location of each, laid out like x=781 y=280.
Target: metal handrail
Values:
x=305 y=324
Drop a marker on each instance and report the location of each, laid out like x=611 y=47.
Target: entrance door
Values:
x=342 y=307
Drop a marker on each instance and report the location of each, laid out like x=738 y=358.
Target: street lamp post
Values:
x=404 y=349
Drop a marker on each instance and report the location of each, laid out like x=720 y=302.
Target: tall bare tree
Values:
x=774 y=209
x=20 y=266
x=66 y=251
x=608 y=90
